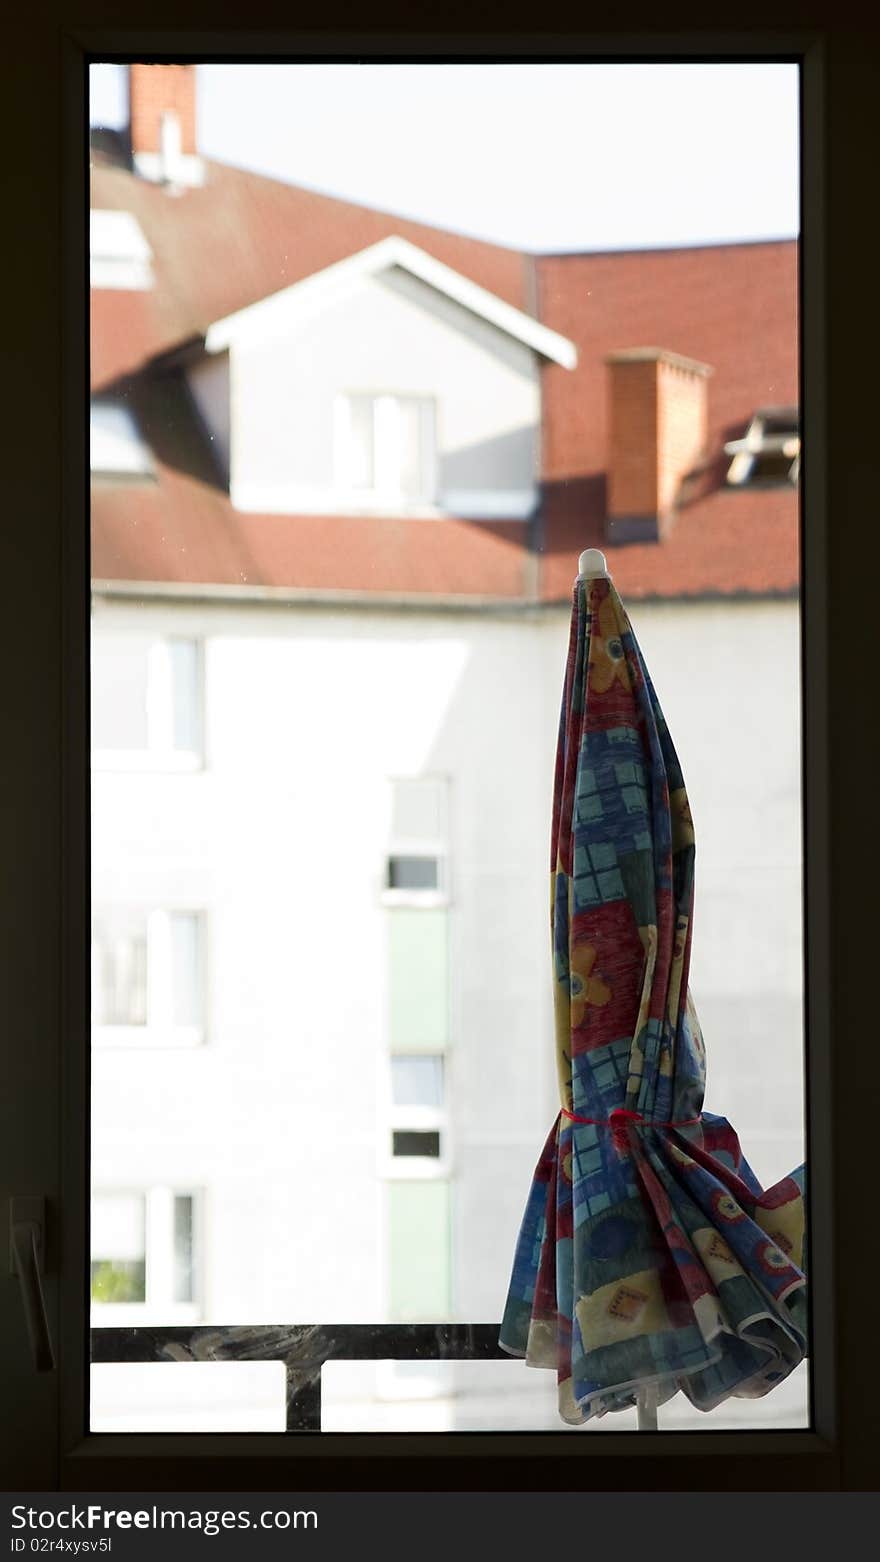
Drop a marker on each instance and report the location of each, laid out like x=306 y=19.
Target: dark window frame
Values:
x=49 y=612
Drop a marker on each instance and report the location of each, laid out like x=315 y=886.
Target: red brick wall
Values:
x=155 y=90
x=632 y=444
x=731 y=306
x=681 y=429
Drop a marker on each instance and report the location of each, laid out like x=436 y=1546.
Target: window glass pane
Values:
x=413 y=873
x=192 y=1396
x=119 y=967
x=183 y=1248
x=119 y=691
x=419 y=1250
x=412 y=472
x=118 y=1248
x=356 y=461
x=186 y=984
x=418 y=979
x=405 y=1141
x=417 y=1081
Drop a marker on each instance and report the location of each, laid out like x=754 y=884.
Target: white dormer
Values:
x=386 y=383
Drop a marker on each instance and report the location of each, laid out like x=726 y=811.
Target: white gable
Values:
x=264 y=319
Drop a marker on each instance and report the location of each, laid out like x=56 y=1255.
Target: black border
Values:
x=417 y=1455
x=839 y=331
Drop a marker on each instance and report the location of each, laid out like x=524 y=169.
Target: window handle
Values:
x=27 y=1246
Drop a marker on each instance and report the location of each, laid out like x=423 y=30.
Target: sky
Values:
x=542 y=157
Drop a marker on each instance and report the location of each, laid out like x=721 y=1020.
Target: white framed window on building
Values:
x=145 y=1262
x=147 y=701
x=385 y=447
x=417 y=1155
x=769 y=453
x=416 y=869
x=417 y=1144
x=148 y=977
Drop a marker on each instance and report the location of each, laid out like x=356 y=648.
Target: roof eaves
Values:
x=255 y=321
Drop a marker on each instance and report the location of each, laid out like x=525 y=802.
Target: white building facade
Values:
x=323 y=1064
x=322 y=939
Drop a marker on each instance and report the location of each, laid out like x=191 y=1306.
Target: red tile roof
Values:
x=241 y=237
x=182 y=531
x=181 y=527
x=732 y=306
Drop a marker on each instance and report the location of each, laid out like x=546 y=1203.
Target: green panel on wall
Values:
x=418 y=980
x=419 y=1252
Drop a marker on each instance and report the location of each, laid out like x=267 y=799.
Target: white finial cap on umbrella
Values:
x=592 y=562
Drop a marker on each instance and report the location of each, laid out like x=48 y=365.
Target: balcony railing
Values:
x=304 y=1349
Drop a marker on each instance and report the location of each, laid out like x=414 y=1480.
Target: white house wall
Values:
x=392 y=333
x=280 y=838
x=728 y=677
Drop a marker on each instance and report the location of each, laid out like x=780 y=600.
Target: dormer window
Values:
x=769 y=452
x=117 y=447
x=119 y=255
x=385 y=447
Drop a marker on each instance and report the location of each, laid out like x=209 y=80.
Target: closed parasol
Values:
x=650 y=1260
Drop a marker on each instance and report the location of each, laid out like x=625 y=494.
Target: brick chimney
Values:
x=658 y=424
x=162 y=124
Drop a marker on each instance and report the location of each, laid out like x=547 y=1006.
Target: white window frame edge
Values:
x=286 y=499
x=135 y=760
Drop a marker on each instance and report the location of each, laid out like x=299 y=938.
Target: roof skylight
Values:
x=117 y=446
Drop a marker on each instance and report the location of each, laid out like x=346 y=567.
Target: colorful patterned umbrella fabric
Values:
x=648 y=1254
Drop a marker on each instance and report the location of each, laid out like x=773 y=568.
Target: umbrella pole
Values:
x=591 y=563
x=647 y=1409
